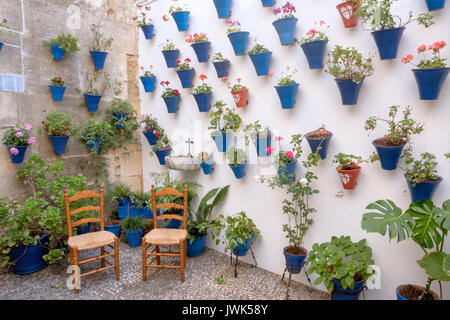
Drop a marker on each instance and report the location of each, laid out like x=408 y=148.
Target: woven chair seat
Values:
x=165 y=236
x=91 y=240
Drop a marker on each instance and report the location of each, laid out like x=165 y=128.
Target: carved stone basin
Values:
x=182 y=163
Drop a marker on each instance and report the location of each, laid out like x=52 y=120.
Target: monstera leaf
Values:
x=442 y=216
x=426 y=230
x=446 y=264
x=388 y=217
x=433 y=264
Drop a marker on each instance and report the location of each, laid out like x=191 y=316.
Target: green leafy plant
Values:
x=426 y=63
x=286 y=78
x=57 y=81
x=168 y=45
x=221 y=279
x=141 y=199
x=236 y=156
x=258 y=48
x=95 y=86
x=4 y=25
x=255 y=130
x=234 y=87
x=217 y=57
x=162 y=140
x=150 y=123
x=148 y=73
x=197 y=38
x=315 y=34
x=132 y=223
x=58 y=124
x=100 y=42
x=422 y=170
x=348 y=63
x=203 y=88
x=121 y=191
x=186 y=65
x=174 y=8
x=223 y=119
x=350 y=161
x=65 y=41
x=93 y=130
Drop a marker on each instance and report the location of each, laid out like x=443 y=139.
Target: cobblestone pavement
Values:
x=200 y=281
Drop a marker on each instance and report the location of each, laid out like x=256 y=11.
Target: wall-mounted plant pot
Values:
x=134 y=237
x=1 y=46
x=222 y=68
x=186 y=77
x=286 y=30
x=196 y=248
x=114 y=229
x=239 y=170
x=203 y=101
x=202 y=50
x=161 y=154
x=315 y=52
x=59 y=143
x=347 y=12
x=400 y=291
x=151 y=137
x=339 y=293
x=223 y=141
x=387 y=42
x=95 y=145
x=57 y=52
x=181 y=18
x=121 y=118
x=148 y=31
x=18 y=158
x=240 y=97
x=349 y=178
x=389 y=155
x=239 y=41
x=315 y=143
x=262 y=144
x=98 y=58
x=84 y=228
x=208 y=166
x=294 y=261
x=423 y=190
x=435 y=4
x=267 y=3
x=223 y=8
x=172 y=103
x=171 y=57
x=57 y=92
x=241 y=249
x=261 y=61
x=349 y=90
x=287 y=95
x=286 y=172
x=92 y=101
x=430 y=81
x=148 y=83
x=29 y=259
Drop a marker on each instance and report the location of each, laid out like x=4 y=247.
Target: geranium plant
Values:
x=197 y=38
x=223 y=119
x=168 y=45
x=100 y=42
x=217 y=57
x=232 y=26
x=15 y=136
x=421 y=170
x=65 y=41
x=149 y=123
x=350 y=161
x=162 y=141
x=233 y=87
x=433 y=61
x=286 y=77
x=348 y=63
x=203 y=88
x=58 y=124
x=286 y=11
x=57 y=81
x=148 y=73
x=316 y=33
x=186 y=65
x=258 y=48
x=142 y=18
x=168 y=91
x=175 y=8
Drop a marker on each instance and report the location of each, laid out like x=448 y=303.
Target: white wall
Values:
x=318 y=102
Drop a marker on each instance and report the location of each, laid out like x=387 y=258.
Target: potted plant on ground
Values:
x=57 y=88
x=148 y=79
x=390 y=147
x=99 y=47
x=237 y=37
x=268 y=3
x=287 y=89
x=224 y=121
x=260 y=57
x=58 y=126
x=64 y=43
x=427 y=225
x=286 y=23
x=319 y=140
x=162 y=147
x=203 y=94
x=181 y=16
x=261 y=137
x=122 y=193
x=171 y=97
x=17 y=139
x=97 y=133
x=123 y=115
x=113 y=226
x=430 y=73
x=347 y=10
x=4 y=25
x=221 y=64
x=142 y=204
x=238 y=91
x=93 y=95
x=133 y=228
x=314 y=45
x=206 y=162
x=435 y=4
x=170 y=53
x=348 y=168
x=185 y=73
x=237 y=161
x=144 y=22
x=387 y=29
x=201 y=45
x=151 y=127
x=223 y=8
x=342 y=265
x=349 y=69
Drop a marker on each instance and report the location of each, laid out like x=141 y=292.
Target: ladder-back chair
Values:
x=164 y=236
x=93 y=240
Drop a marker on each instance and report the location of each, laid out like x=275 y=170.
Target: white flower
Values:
x=304 y=181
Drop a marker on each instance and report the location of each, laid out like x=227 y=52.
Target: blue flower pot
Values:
x=92 y=101
x=57 y=92
x=148 y=83
x=262 y=144
x=430 y=81
x=172 y=103
x=261 y=62
x=349 y=90
x=315 y=52
x=59 y=143
x=223 y=8
x=400 y=297
x=181 y=19
x=29 y=259
x=146 y=212
x=239 y=41
x=287 y=95
x=1 y=46
x=389 y=155
x=387 y=42
x=98 y=58
x=222 y=68
x=84 y=228
x=186 y=77
x=121 y=118
x=17 y=159
x=151 y=137
x=148 y=31
x=208 y=166
x=202 y=50
x=223 y=141
x=124 y=201
x=267 y=3
x=340 y=293
x=114 y=229
x=195 y=249
x=242 y=248
x=239 y=171
x=203 y=101
x=315 y=143
x=171 y=57
x=286 y=172
x=294 y=262
x=435 y=4
x=57 y=52
x=125 y=211
x=424 y=190
x=173 y=223
x=95 y=145
x=161 y=154
x=286 y=29
x=134 y=237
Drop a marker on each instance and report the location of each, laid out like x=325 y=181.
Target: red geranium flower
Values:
x=408 y=58
x=158 y=134
x=203 y=77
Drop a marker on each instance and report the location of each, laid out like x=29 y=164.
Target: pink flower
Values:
x=311 y=32
x=278 y=138
x=408 y=58
x=322 y=22
x=442 y=44
x=43 y=122
x=270 y=150
x=14 y=151
x=19 y=134
x=31 y=141
x=28 y=127
x=289 y=154
x=165 y=18
x=422 y=48
x=270 y=73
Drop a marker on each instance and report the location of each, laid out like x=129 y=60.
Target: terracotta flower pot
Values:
x=349 y=178
x=347 y=10
x=240 y=97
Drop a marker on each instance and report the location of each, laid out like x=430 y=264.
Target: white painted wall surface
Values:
x=318 y=102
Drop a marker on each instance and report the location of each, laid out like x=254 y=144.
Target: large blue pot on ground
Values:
x=262 y=144
x=202 y=50
x=423 y=190
x=57 y=52
x=430 y=81
x=59 y=143
x=151 y=137
x=286 y=172
x=134 y=237
x=121 y=118
x=349 y=90
x=435 y=4
x=171 y=57
x=161 y=154
x=18 y=158
x=222 y=68
x=186 y=77
x=129 y=210
x=84 y=228
x=294 y=262
x=242 y=248
x=267 y=3
x=92 y=101
x=287 y=95
x=340 y=293
x=172 y=103
x=95 y=145
x=196 y=248
x=124 y=210
x=124 y=201
x=223 y=8
x=389 y=155
x=29 y=259
x=387 y=42
x=114 y=229
x=203 y=101
x=223 y=141
x=148 y=31
x=239 y=170
x=315 y=143
x=418 y=288
x=239 y=41
x=98 y=58
x=208 y=166
x=286 y=29
x=181 y=19
x=315 y=53
x=57 y=92
x=261 y=61
x=148 y=83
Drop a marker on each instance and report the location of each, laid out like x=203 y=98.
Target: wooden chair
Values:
x=100 y=239
x=163 y=236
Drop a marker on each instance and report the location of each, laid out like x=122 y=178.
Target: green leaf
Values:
x=446 y=264
x=442 y=216
x=433 y=264
x=426 y=230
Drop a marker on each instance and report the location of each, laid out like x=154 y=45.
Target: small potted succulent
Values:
x=201 y=45
x=4 y=25
x=64 y=43
x=57 y=88
x=260 y=57
x=133 y=228
x=285 y=23
x=319 y=140
x=150 y=129
x=223 y=8
x=58 y=126
x=224 y=122
x=314 y=45
x=171 y=97
x=93 y=95
x=287 y=89
x=347 y=10
x=181 y=16
x=348 y=168
x=95 y=134
x=435 y=4
x=123 y=114
x=162 y=147
x=238 y=38
x=170 y=53
x=286 y=161
x=267 y=3
x=185 y=72
x=349 y=69
x=145 y=22
x=237 y=161
x=99 y=46
x=238 y=91
x=206 y=162
x=17 y=139
x=221 y=64
x=148 y=79
x=390 y=147
x=430 y=73
x=203 y=94
x=261 y=137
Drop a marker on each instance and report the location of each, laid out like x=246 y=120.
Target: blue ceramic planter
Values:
x=181 y=19
x=424 y=190
x=171 y=57
x=286 y=30
x=18 y=158
x=286 y=172
x=387 y=42
x=129 y=210
x=222 y=68
x=262 y=144
x=161 y=154
x=98 y=58
x=195 y=249
x=59 y=143
x=207 y=167
x=239 y=171
x=223 y=141
x=389 y=155
x=430 y=81
x=239 y=41
x=172 y=103
x=223 y=8
x=349 y=90
x=315 y=52
x=148 y=31
x=435 y=4
x=114 y=229
x=294 y=262
x=261 y=61
x=148 y=83
x=242 y=248
x=57 y=92
x=57 y=52
x=1 y=46
x=124 y=201
x=202 y=50
x=287 y=95
x=203 y=101
x=95 y=145
x=340 y=293
x=267 y=3
x=29 y=259
x=151 y=137
x=84 y=228
x=124 y=210
x=315 y=143
x=121 y=118
x=92 y=101
x=400 y=297
x=186 y=77
x=134 y=237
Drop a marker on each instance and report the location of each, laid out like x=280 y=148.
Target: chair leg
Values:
x=158 y=258
x=116 y=258
x=75 y=263
x=182 y=259
x=102 y=252
x=185 y=252
x=144 y=260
